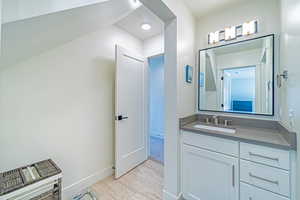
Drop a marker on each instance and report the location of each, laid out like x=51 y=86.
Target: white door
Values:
x=130 y=134
x=208 y=175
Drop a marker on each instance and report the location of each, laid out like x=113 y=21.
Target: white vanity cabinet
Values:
x=206 y=173
x=215 y=168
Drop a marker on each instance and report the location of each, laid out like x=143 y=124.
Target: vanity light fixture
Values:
x=213 y=37
x=233 y=32
x=249 y=28
x=146 y=26
x=230 y=33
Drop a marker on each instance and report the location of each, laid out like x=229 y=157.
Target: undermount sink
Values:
x=213 y=128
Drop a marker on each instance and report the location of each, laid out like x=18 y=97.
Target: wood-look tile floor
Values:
x=145 y=182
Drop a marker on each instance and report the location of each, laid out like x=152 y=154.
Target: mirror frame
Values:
x=273 y=76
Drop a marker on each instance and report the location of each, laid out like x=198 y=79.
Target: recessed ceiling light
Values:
x=146 y=27
x=135 y=3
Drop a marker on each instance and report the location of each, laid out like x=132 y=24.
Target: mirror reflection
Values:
x=238 y=77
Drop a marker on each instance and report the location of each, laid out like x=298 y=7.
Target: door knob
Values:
x=120 y=118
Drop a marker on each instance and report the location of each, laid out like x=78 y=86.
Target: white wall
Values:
x=185 y=24
x=60 y=105
x=154 y=45
x=290 y=44
x=186 y=27
x=184 y=103
x=267 y=12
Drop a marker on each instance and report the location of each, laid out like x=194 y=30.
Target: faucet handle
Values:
x=207 y=120
x=216 y=119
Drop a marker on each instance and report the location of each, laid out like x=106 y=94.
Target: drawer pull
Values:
x=263 y=179
x=261 y=156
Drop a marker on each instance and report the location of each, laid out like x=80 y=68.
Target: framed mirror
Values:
x=238 y=77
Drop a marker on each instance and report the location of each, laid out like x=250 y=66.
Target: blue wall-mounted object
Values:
x=201 y=79
x=188 y=74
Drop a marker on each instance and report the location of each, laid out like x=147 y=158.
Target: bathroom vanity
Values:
x=237 y=158
x=256 y=161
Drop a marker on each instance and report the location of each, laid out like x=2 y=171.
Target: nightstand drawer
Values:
x=265 y=155
x=269 y=178
x=249 y=192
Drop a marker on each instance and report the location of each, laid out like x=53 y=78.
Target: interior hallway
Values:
x=145 y=182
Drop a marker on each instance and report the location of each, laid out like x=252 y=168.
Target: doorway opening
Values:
x=140 y=104
x=132 y=99
x=239 y=89
x=156 y=108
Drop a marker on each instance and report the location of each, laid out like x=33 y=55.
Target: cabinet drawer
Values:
x=248 y=192
x=265 y=155
x=269 y=178
x=212 y=143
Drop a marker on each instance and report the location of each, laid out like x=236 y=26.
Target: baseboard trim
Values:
x=169 y=196
x=82 y=185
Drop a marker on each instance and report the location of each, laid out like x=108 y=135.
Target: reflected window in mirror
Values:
x=238 y=77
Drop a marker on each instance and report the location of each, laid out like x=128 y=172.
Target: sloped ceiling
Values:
x=25 y=38
x=15 y=10
x=132 y=23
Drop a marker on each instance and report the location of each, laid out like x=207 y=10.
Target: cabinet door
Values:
x=208 y=175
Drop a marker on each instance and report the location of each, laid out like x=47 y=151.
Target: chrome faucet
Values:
x=216 y=119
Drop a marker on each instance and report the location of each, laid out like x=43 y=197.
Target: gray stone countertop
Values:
x=275 y=136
